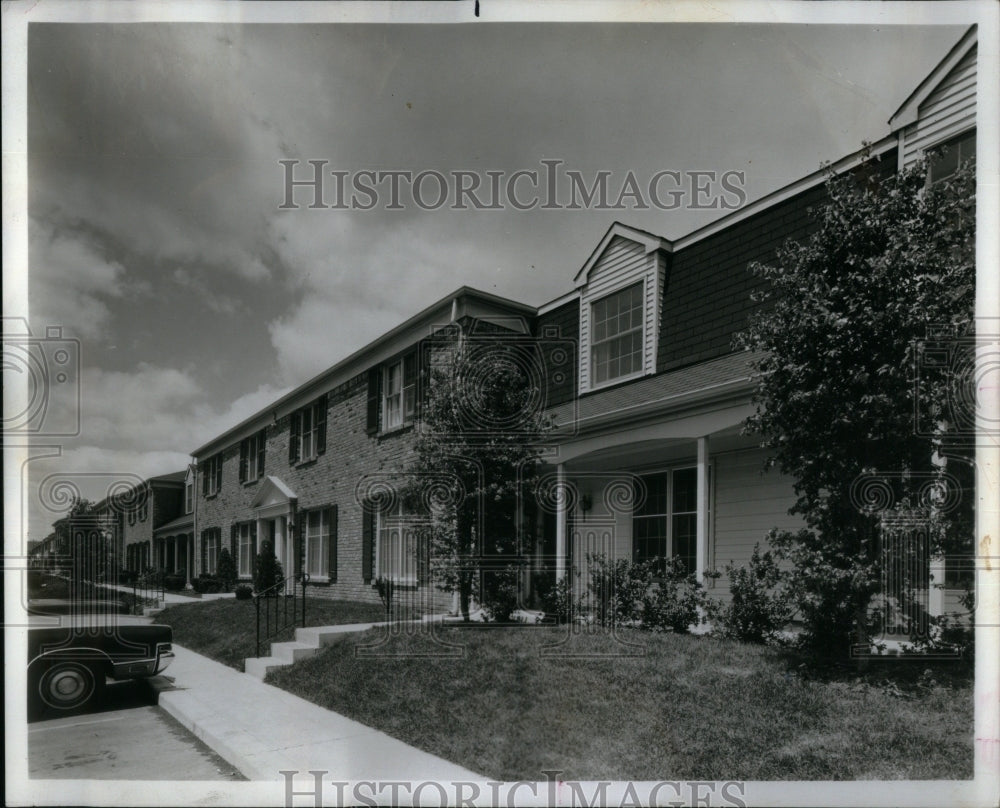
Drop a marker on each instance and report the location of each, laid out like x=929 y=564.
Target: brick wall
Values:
x=330 y=479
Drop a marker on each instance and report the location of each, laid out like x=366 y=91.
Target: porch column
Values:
x=561 y=500
x=701 y=552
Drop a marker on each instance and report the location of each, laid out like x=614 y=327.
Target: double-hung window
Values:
x=399 y=391
x=616 y=327
x=397 y=552
x=665 y=524
x=308 y=432
x=246 y=538
x=210 y=539
x=211 y=477
x=252 y=451
x=320 y=529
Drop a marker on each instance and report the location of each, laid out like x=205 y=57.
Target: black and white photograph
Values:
x=495 y=403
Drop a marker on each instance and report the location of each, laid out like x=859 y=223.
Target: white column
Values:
x=701 y=559
x=561 y=501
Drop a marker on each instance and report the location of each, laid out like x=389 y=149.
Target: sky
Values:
x=156 y=237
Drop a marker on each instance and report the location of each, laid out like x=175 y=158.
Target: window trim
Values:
x=250 y=527
x=253 y=452
x=593 y=384
x=670 y=514
x=212 y=539
x=383 y=522
x=324 y=517
x=212 y=479
x=407 y=368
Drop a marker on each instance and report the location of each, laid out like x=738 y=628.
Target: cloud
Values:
x=71 y=281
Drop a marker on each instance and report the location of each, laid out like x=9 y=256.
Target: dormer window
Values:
x=617 y=326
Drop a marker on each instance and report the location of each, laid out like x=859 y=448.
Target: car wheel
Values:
x=66 y=685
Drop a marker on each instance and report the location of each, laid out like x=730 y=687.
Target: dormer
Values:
x=621 y=298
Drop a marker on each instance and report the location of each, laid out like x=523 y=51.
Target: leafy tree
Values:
x=82 y=533
x=475 y=462
x=838 y=338
x=226 y=568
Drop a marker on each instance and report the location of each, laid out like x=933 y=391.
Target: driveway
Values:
x=127 y=738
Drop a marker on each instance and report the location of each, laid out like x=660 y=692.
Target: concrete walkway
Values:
x=262 y=730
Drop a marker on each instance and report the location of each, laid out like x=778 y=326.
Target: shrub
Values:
x=267 y=571
x=225 y=569
x=207 y=584
x=244 y=592
x=500 y=593
x=617 y=588
x=173 y=580
x=676 y=601
x=761 y=600
x=557 y=598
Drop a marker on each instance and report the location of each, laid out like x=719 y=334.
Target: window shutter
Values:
x=204 y=483
x=410 y=386
x=331 y=515
x=321 y=424
x=261 y=451
x=243 y=460
x=367 y=541
x=374 y=383
x=218 y=472
x=204 y=553
x=300 y=547
x=293 y=438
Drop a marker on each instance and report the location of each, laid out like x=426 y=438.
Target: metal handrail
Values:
x=277 y=595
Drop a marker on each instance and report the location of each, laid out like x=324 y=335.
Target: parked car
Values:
x=75 y=646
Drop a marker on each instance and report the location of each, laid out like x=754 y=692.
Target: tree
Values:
x=226 y=568
x=83 y=534
x=475 y=462
x=839 y=338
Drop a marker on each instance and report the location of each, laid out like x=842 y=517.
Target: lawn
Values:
x=690 y=708
x=225 y=629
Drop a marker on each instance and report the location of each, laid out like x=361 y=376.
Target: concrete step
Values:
x=292 y=651
x=150 y=611
x=259 y=666
x=319 y=636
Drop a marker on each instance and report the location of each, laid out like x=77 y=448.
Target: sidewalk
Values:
x=262 y=730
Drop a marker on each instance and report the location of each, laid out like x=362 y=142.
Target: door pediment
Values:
x=272 y=492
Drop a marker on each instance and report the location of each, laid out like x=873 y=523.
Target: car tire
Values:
x=65 y=685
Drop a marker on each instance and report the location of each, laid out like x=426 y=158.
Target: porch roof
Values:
x=680 y=389
x=181 y=524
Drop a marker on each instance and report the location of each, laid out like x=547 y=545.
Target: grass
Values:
x=225 y=629
x=690 y=708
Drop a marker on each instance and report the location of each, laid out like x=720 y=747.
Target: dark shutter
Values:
x=300 y=547
x=374 y=383
x=261 y=451
x=367 y=541
x=294 y=426
x=204 y=482
x=331 y=515
x=234 y=531
x=321 y=424
x=243 y=459
x=218 y=472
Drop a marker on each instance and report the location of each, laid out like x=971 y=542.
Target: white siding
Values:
x=947 y=112
x=748 y=503
x=623 y=263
